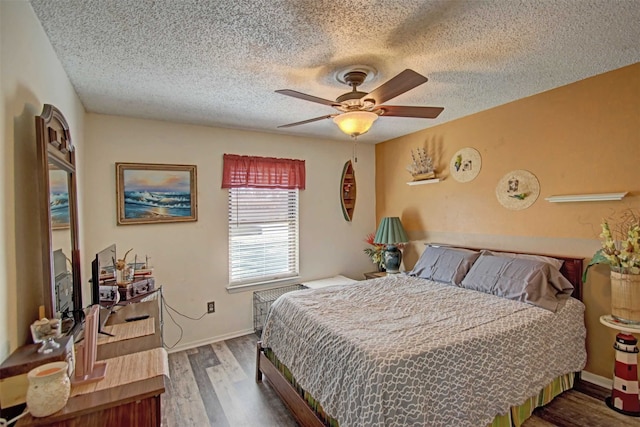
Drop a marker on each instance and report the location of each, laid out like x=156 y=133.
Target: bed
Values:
x=438 y=347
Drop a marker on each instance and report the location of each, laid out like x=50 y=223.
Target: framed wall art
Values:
x=58 y=198
x=149 y=193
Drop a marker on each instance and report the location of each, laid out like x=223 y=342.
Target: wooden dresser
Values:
x=135 y=404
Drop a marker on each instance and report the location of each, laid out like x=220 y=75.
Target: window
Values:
x=263 y=217
x=263 y=235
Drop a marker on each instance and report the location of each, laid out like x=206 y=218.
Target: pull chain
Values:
x=354 y=154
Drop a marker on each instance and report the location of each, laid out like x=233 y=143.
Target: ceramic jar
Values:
x=49 y=389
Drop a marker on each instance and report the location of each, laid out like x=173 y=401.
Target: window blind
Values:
x=263 y=235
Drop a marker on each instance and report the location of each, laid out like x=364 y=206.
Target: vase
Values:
x=625 y=297
x=392 y=259
x=49 y=389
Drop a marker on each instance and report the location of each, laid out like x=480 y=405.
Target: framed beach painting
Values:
x=58 y=198
x=149 y=193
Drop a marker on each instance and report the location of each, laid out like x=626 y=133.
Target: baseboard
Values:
x=596 y=379
x=211 y=340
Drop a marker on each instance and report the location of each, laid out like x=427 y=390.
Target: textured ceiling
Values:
x=219 y=62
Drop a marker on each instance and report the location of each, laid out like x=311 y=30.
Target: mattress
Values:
x=406 y=351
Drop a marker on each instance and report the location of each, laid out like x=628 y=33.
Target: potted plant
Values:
x=621 y=251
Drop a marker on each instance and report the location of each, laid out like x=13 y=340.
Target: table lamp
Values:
x=390 y=233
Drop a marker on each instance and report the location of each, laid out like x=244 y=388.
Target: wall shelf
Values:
x=586 y=197
x=424 y=181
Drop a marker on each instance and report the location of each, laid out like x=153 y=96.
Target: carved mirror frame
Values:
x=55 y=151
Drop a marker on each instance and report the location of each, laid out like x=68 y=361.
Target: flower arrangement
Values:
x=620 y=247
x=375 y=252
x=124 y=273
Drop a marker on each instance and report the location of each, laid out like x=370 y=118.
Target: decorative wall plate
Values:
x=518 y=190
x=465 y=165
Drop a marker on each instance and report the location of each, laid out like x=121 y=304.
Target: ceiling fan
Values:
x=358 y=110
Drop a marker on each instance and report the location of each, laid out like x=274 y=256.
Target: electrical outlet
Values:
x=211 y=307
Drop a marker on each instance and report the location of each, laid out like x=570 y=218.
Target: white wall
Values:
x=31 y=76
x=190 y=259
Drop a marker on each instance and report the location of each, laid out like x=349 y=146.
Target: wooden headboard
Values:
x=571 y=268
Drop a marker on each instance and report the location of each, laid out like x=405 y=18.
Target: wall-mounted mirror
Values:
x=59 y=217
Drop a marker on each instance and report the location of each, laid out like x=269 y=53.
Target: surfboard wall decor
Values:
x=348 y=191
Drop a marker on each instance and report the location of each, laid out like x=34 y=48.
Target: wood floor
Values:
x=214 y=385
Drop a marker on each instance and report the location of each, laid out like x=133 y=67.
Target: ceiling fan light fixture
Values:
x=355 y=123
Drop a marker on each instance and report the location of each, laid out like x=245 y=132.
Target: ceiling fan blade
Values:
x=402 y=111
x=306 y=97
x=403 y=82
x=307 y=121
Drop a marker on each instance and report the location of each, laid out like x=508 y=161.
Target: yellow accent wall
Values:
x=579 y=138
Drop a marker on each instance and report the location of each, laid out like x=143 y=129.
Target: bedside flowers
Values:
x=621 y=248
x=375 y=252
x=623 y=256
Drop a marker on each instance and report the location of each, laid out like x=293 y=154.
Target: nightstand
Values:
x=374 y=274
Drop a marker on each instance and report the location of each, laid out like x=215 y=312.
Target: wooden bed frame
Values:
x=306 y=417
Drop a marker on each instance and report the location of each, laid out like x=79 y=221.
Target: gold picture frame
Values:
x=150 y=193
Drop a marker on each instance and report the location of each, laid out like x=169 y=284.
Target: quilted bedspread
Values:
x=404 y=351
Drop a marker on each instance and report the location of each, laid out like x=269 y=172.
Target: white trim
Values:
x=596 y=379
x=258 y=286
x=424 y=181
x=586 y=197
x=211 y=340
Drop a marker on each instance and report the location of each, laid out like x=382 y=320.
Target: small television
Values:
x=102 y=271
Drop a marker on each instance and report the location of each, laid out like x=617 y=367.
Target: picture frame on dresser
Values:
x=149 y=193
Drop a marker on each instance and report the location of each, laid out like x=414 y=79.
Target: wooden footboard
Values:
x=305 y=416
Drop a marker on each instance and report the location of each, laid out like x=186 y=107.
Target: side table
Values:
x=625 y=397
x=374 y=274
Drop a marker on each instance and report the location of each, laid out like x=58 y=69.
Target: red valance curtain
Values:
x=262 y=172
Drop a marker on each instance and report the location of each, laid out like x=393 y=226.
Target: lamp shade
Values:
x=355 y=123
x=390 y=231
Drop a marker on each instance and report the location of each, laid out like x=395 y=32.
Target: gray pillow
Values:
x=526 y=280
x=556 y=263
x=447 y=265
